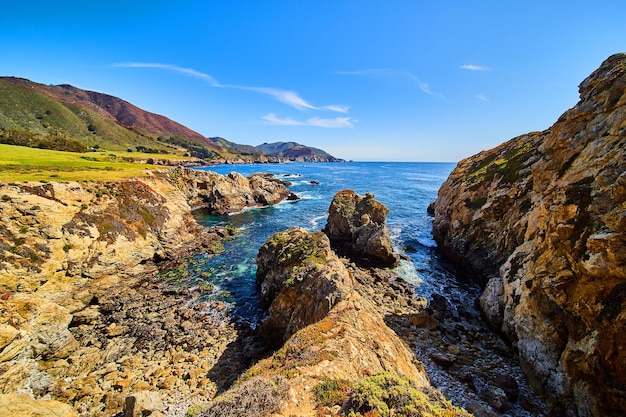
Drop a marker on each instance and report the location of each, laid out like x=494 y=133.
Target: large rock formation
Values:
x=332 y=327
x=306 y=259
x=357 y=227
x=79 y=320
x=541 y=221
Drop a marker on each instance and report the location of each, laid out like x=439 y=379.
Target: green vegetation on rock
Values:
x=388 y=394
x=257 y=396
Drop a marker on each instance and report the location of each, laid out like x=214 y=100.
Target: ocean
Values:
x=405 y=188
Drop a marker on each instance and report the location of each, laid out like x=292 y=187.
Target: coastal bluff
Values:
x=84 y=317
x=540 y=221
x=333 y=350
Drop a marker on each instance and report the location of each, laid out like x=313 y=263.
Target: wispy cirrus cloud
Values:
x=288 y=97
x=481 y=97
x=185 y=71
x=472 y=67
x=337 y=122
x=339 y=108
x=275 y=120
x=394 y=74
x=330 y=123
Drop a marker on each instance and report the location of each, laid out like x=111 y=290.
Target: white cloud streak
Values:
x=336 y=123
x=472 y=67
x=339 y=108
x=275 y=120
x=481 y=97
x=185 y=71
x=288 y=97
x=392 y=73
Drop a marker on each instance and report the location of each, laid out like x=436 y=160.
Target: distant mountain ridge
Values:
x=102 y=121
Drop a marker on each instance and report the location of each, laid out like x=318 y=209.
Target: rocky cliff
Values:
x=84 y=317
x=327 y=318
x=541 y=222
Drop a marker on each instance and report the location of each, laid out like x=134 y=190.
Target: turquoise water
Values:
x=405 y=188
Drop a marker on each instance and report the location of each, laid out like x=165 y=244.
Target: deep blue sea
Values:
x=405 y=188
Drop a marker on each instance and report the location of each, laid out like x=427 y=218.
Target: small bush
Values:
x=332 y=392
x=259 y=396
x=389 y=394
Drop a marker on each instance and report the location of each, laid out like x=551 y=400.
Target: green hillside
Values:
x=29 y=109
x=66 y=118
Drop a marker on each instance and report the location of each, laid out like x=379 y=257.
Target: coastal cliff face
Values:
x=83 y=317
x=541 y=222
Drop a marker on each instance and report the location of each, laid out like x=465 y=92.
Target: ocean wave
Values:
x=407 y=272
x=315 y=220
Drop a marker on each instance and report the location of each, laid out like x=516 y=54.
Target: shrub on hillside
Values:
x=388 y=394
x=56 y=140
x=257 y=396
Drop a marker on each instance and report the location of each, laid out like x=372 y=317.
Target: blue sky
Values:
x=363 y=80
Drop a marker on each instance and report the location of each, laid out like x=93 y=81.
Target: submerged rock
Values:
x=541 y=222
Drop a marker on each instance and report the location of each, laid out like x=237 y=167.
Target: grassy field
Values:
x=19 y=163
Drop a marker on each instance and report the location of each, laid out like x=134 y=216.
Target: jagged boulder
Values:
x=357 y=228
x=300 y=280
x=541 y=221
x=223 y=194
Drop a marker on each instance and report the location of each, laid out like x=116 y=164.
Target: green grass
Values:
x=18 y=163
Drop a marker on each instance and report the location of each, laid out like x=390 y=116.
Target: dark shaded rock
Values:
x=444 y=359
x=357 y=228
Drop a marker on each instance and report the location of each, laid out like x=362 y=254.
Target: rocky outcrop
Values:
x=219 y=194
x=84 y=317
x=540 y=220
x=300 y=280
x=331 y=324
x=357 y=228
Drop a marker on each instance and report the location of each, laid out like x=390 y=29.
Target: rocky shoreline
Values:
x=105 y=330
x=85 y=318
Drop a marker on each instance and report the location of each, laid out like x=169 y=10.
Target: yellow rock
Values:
x=23 y=405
